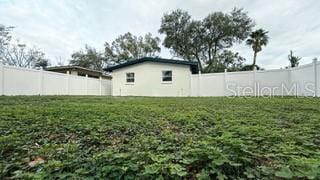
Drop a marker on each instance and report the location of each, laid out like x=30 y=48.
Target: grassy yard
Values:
x=168 y=138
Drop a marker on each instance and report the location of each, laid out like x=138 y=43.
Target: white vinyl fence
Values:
x=22 y=81
x=300 y=81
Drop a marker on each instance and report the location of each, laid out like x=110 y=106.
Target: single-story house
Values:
x=79 y=71
x=152 y=77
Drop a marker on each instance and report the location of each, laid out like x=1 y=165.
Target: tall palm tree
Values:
x=256 y=40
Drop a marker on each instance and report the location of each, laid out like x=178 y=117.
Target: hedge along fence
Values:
x=23 y=81
x=300 y=81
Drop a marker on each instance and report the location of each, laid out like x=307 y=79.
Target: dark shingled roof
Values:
x=193 y=65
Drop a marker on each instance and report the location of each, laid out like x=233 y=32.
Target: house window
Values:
x=166 y=76
x=130 y=77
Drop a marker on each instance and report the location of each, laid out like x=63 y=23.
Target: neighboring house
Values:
x=152 y=77
x=79 y=71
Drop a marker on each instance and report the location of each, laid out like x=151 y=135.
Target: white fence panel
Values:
x=77 y=85
x=212 y=84
x=240 y=84
x=93 y=86
x=106 y=87
x=303 y=78
x=274 y=82
x=54 y=83
x=22 y=81
x=300 y=81
x=194 y=87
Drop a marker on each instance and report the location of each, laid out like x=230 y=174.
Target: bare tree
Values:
x=60 y=61
x=17 y=54
x=5 y=39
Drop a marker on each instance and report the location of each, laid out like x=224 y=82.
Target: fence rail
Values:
x=23 y=81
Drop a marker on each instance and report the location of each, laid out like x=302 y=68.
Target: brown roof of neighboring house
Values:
x=78 y=68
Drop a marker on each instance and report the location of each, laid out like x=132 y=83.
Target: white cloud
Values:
x=61 y=27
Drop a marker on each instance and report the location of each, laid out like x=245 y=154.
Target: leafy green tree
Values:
x=256 y=40
x=42 y=62
x=250 y=67
x=227 y=60
x=88 y=58
x=294 y=60
x=128 y=46
x=202 y=40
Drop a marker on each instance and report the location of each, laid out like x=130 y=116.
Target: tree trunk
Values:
x=212 y=58
x=199 y=63
x=254 y=60
x=215 y=54
x=200 y=66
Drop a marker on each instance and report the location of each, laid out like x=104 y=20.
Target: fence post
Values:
x=315 y=62
x=190 y=85
x=255 y=82
x=289 y=81
x=225 y=82
x=199 y=83
x=86 y=84
x=67 y=83
x=100 y=88
x=1 y=78
x=41 y=81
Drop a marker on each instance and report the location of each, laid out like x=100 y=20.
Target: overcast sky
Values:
x=61 y=27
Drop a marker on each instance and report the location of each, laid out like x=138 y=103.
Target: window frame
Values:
x=163 y=76
x=128 y=78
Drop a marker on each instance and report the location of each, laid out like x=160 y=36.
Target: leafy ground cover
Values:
x=166 y=138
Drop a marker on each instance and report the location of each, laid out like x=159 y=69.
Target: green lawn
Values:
x=167 y=138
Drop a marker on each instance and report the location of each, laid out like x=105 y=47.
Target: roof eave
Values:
x=159 y=60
